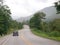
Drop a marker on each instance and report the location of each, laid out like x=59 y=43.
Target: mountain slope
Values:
x=24 y=19
x=50 y=15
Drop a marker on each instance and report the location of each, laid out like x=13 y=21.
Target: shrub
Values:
x=55 y=34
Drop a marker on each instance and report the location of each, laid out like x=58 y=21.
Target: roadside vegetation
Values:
x=44 y=35
x=7 y=24
x=43 y=28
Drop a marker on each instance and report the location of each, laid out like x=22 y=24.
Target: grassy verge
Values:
x=7 y=33
x=42 y=34
x=10 y=32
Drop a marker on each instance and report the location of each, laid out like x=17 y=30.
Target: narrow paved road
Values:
x=26 y=38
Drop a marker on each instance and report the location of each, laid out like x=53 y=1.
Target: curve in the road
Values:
x=25 y=40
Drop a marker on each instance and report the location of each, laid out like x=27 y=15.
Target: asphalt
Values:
x=26 y=37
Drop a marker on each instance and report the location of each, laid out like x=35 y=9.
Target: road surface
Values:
x=26 y=38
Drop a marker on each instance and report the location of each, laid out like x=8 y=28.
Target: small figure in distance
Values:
x=15 y=33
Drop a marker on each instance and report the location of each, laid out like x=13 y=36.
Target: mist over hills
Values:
x=50 y=14
x=24 y=19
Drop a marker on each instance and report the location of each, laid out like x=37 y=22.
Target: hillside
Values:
x=50 y=15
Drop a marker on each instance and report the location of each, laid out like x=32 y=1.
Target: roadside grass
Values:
x=9 y=32
x=2 y=36
x=42 y=34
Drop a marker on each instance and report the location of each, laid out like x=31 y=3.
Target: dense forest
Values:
x=52 y=28
x=7 y=24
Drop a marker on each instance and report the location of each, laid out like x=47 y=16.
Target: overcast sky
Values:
x=23 y=8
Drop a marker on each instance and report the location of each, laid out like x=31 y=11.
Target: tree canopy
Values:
x=35 y=21
x=57 y=5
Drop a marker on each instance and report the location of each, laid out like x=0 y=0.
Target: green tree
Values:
x=7 y=24
x=57 y=5
x=35 y=21
x=4 y=19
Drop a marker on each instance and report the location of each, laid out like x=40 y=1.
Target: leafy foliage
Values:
x=4 y=19
x=35 y=21
x=50 y=28
x=6 y=22
x=57 y=5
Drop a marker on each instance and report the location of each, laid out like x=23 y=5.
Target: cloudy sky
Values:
x=23 y=8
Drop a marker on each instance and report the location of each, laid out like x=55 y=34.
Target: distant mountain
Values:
x=50 y=14
x=24 y=19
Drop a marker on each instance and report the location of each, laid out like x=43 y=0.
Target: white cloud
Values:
x=21 y=8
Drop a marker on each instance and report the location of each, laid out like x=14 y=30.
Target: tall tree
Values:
x=35 y=21
x=4 y=19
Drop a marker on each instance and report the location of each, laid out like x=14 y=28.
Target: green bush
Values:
x=55 y=34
